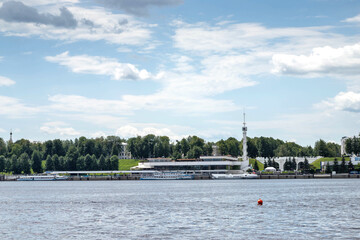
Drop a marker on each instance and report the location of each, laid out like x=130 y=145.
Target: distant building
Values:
x=215 y=150
x=205 y=164
x=124 y=153
x=10 y=140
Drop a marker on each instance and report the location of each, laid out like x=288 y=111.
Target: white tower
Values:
x=245 y=157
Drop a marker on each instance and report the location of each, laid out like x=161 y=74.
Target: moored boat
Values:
x=167 y=176
x=42 y=178
x=235 y=176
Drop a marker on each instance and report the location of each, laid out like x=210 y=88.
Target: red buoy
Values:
x=260 y=202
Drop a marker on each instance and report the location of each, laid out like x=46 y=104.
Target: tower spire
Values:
x=245 y=157
x=10 y=140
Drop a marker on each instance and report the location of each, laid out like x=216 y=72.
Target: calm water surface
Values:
x=209 y=209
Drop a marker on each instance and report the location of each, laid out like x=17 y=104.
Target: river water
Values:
x=202 y=209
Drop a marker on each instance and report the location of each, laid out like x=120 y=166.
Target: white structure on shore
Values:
x=343 y=145
x=205 y=164
x=124 y=153
x=281 y=160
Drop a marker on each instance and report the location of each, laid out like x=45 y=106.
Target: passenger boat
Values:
x=167 y=176
x=42 y=178
x=235 y=176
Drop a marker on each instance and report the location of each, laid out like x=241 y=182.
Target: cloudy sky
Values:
x=71 y=68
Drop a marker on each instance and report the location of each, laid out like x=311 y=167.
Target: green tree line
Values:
x=102 y=153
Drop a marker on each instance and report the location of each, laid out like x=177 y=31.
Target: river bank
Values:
x=196 y=177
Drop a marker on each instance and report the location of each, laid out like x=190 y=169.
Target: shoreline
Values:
x=200 y=177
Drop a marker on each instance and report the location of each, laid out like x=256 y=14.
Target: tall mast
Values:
x=245 y=158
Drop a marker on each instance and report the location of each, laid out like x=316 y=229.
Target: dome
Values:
x=270 y=169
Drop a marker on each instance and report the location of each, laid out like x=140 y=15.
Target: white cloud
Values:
x=344 y=61
x=138 y=7
x=13 y=108
x=93 y=24
x=355 y=19
x=58 y=128
x=46 y=2
x=99 y=66
x=4 y=81
x=344 y=101
x=14 y=11
x=246 y=37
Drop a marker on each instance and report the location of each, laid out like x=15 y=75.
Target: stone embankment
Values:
x=306 y=176
x=197 y=177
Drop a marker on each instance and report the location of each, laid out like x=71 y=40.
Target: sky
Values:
x=71 y=68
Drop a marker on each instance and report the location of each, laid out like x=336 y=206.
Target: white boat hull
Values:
x=42 y=178
x=235 y=176
x=168 y=176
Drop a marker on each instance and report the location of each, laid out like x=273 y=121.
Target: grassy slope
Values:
x=317 y=162
x=126 y=164
x=252 y=161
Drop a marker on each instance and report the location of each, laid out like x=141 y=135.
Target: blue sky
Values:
x=71 y=68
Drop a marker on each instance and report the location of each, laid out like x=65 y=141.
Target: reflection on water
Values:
x=224 y=209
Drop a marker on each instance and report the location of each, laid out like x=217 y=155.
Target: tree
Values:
x=114 y=162
x=208 y=148
x=356 y=145
x=25 y=163
x=256 y=166
x=287 y=165
x=321 y=149
x=115 y=149
x=336 y=165
x=62 y=163
x=222 y=147
x=71 y=158
x=251 y=148
x=108 y=163
x=56 y=162
x=36 y=163
x=343 y=166
x=265 y=164
x=2 y=163
x=8 y=167
x=3 y=149
x=232 y=146
x=94 y=163
x=176 y=155
x=88 y=162
x=102 y=164
x=48 y=149
x=350 y=166
x=328 y=168
x=306 y=165
x=58 y=148
x=49 y=165
x=15 y=166
x=80 y=164
x=334 y=149
x=293 y=164
x=195 y=152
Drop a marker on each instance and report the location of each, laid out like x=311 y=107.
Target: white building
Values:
x=206 y=164
x=124 y=153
